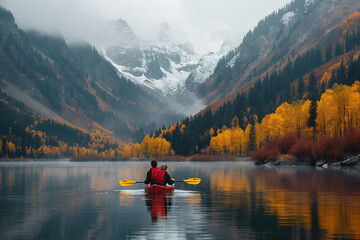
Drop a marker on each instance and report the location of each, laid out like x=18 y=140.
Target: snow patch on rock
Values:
x=208 y=62
x=287 y=17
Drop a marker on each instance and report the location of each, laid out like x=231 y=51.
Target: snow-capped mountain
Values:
x=206 y=65
x=162 y=64
x=279 y=39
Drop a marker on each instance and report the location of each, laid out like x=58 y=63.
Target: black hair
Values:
x=153 y=163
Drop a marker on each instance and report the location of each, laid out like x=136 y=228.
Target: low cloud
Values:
x=205 y=23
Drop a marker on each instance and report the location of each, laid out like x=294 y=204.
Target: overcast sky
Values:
x=204 y=23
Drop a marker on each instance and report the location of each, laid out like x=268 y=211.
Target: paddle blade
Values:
x=193 y=181
x=126 y=182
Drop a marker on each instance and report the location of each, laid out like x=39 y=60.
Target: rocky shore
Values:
x=292 y=160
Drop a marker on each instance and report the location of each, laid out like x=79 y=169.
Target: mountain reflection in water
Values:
x=234 y=200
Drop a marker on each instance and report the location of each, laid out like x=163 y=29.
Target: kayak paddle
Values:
x=127 y=182
x=193 y=181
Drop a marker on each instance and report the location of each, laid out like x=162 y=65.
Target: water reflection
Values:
x=301 y=202
x=234 y=200
x=158 y=205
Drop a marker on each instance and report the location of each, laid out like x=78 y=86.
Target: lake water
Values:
x=235 y=200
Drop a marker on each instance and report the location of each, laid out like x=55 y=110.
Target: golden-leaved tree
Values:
x=150 y=146
x=338 y=111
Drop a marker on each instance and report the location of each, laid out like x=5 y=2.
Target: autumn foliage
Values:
x=304 y=149
x=286 y=130
x=150 y=147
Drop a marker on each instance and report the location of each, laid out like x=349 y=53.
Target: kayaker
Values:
x=158 y=175
x=167 y=178
x=151 y=172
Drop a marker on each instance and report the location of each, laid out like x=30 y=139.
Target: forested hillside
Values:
x=301 y=28
x=302 y=82
x=27 y=135
x=76 y=82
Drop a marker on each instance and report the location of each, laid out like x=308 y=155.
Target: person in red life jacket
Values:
x=152 y=170
x=167 y=179
x=158 y=175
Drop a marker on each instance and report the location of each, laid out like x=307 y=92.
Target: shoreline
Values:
x=192 y=158
x=290 y=160
x=283 y=160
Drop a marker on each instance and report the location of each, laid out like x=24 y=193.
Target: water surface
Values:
x=235 y=200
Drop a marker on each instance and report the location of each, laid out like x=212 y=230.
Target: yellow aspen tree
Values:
x=235 y=123
x=322 y=117
x=111 y=153
x=265 y=135
x=11 y=147
x=282 y=123
x=28 y=151
x=55 y=151
x=215 y=145
x=236 y=140
x=83 y=152
x=354 y=106
x=145 y=145
x=63 y=147
x=341 y=94
x=211 y=132
x=229 y=144
x=246 y=137
x=128 y=151
x=137 y=150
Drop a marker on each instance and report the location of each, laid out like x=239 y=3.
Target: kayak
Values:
x=159 y=189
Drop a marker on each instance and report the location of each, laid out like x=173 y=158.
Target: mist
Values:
x=204 y=23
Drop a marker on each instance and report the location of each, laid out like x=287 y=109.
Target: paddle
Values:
x=193 y=181
x=126 y=182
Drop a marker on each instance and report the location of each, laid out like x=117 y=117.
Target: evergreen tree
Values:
x=252 y=135
x=312 y=86
x=311 y=122
x=328 y=52
x=339 y=48
x=3 y=147
x=332 y=80
x=301 y=87
x=341 y=74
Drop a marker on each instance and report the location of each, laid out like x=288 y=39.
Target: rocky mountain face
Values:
x=206 y=65
x=163 y=65
x=75 y=84
x=278 y=39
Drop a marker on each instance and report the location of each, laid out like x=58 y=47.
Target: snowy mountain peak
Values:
x=125 y=35
x=162 y=65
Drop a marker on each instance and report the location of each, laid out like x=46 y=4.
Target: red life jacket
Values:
x=157 y=176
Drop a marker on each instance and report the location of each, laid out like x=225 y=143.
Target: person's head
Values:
x=163 y=167
x=153 y=163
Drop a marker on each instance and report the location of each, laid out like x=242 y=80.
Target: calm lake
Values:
x=235 y=200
